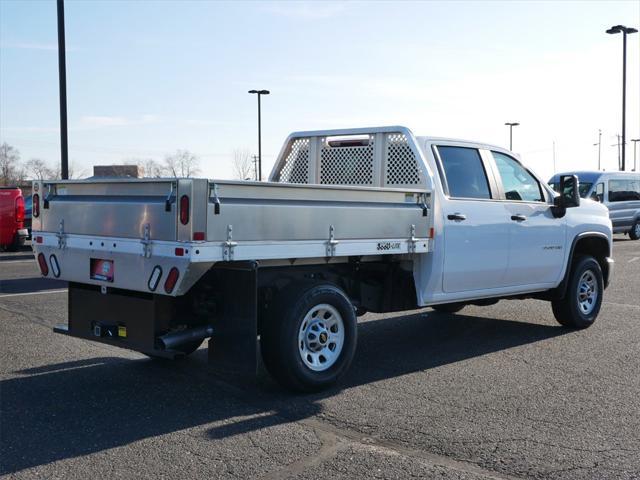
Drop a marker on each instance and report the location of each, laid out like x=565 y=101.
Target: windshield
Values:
x=584 y=187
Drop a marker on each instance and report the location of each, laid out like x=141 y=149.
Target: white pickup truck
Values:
x=350 y=221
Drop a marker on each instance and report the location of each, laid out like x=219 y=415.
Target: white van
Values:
x=618 y=191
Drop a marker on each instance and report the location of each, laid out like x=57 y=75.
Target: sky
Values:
x=145 y=78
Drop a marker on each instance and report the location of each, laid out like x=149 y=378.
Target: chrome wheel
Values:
x=636 y=229
x=321 y=337
x=587 y=292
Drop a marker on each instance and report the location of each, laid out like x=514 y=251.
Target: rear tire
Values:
x=448 y=307
x=17 y=243
x=309 y=337
x=634 y=233
x=582 y=301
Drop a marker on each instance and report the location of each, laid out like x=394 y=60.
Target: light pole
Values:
x=255 y=167
x=599 y=144
x=624 y=30
x=618 y=145
x=635 y=161
x=62 y=84
x=259 y=93
x=511 y=125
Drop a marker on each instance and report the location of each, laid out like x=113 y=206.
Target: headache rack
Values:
x=385 y=157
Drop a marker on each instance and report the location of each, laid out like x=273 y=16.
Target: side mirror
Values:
x=569 y=195
x=570 y=190
x=595 y=197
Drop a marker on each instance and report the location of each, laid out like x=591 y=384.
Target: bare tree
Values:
x=38 y=169
x=148 y=167
x=73 y=170
x=11 y=171
x=242 y=164
x=182 y=164
x=151 y=168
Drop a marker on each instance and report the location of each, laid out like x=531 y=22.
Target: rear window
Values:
x=464 y=172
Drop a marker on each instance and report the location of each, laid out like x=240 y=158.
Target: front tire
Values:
x=582 y=301
x=309 y=337
x=634 y=233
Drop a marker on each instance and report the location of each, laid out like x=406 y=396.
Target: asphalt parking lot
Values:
x=494 y=392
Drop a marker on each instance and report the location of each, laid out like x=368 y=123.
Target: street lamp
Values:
x=624 y=30
x=635 y=162
x=259 y=93
x=511 y=125
x=599 y=145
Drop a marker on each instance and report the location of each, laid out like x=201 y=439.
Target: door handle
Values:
x=518 y=218
x=458 y=217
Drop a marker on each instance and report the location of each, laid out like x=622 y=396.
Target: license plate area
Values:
x=101 y=269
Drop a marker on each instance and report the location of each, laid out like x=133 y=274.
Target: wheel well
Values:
x=385 y=286
x=596 y=246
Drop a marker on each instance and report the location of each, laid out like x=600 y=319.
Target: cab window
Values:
x=464 y=172
x=517 y=182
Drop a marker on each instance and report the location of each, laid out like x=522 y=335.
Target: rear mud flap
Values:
x=234 y=347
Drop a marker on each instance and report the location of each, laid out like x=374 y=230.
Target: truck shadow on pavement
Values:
x=80 y=407
x=28 y=285
x=14 y=257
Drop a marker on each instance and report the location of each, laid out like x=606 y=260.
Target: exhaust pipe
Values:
x=172 y=340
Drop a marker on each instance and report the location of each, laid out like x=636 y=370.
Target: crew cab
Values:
x=12 y=231
x=350 y=221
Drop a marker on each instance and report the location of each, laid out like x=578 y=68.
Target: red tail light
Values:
x=184 y=209
x=44 y=268
x=171 y=280
x=19 y=209
x=35 y=209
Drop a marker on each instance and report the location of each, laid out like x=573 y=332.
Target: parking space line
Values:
x=41 y=292
x=633 y=259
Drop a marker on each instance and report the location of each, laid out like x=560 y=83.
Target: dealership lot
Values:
x=493 y=392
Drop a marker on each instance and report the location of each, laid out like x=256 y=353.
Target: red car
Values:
x=12 y=231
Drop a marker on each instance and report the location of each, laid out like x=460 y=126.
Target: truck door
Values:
x=476 y=233
x=536 y=238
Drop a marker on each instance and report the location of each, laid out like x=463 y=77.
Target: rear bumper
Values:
x=132 y=268
x=608 y=274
